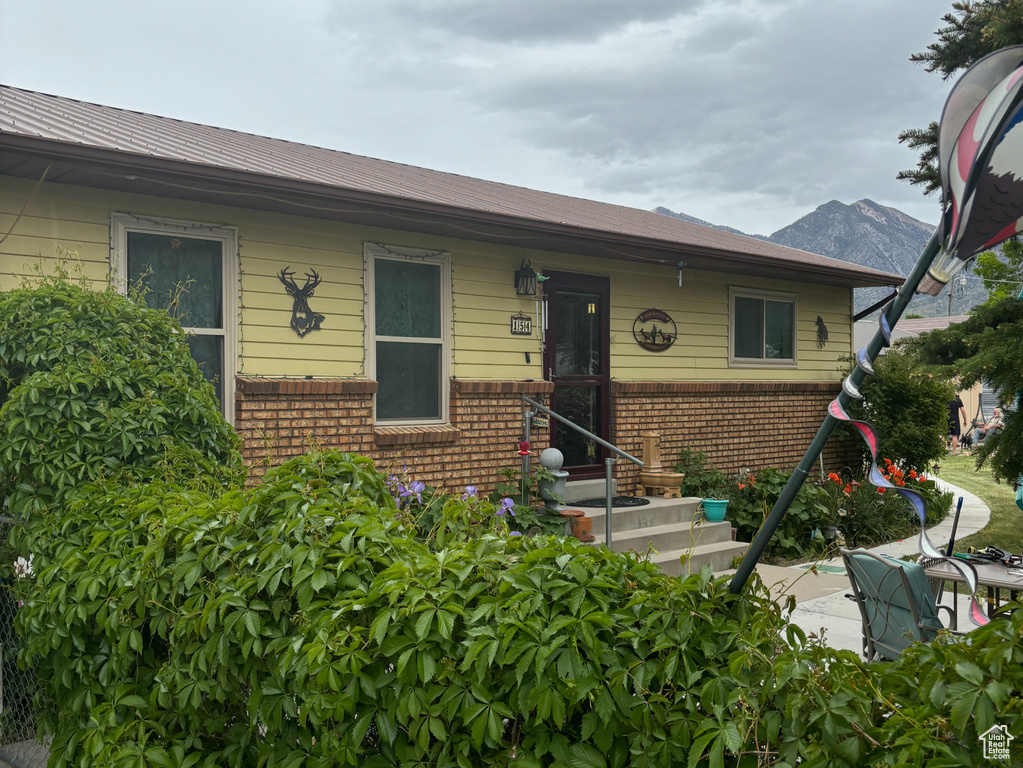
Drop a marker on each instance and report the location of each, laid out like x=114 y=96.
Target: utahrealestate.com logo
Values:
x=996 y=742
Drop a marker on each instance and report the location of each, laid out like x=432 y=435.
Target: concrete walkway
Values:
x=821 y=605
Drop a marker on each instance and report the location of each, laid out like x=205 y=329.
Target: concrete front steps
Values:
x=683 y=541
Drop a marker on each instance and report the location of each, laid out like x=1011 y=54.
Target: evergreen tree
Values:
x=986 y=347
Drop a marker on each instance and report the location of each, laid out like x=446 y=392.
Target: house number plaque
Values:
x=521 y=325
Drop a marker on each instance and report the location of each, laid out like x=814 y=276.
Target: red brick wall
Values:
x=737 y=425
x=281 y=418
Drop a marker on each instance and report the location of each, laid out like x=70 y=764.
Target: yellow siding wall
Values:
x=483 y=295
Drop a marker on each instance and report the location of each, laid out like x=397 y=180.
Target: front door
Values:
x=576 y=360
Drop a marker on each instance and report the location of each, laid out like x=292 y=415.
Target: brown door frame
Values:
x=574 y=282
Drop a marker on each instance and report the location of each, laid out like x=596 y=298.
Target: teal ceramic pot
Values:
x=714 y=510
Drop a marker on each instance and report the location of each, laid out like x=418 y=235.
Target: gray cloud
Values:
x=527 y=21
x=742 y=112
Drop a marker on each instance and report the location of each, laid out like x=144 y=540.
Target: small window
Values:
x=407 y=320
x=189 y=270
x=762 y=328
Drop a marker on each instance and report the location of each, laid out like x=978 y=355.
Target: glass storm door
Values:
x=576 y=360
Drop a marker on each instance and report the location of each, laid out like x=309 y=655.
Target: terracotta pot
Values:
x=582 y=528
x=569 y=515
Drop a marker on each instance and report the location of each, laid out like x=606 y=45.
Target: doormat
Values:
x=617 y=501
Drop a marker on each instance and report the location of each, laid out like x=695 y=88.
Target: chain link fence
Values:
x=19 y=747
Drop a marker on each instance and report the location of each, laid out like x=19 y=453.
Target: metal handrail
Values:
x=608 y=462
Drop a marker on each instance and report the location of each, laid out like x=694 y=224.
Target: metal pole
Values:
x=799 y=475
x=581 y=431
x=608 y=466
x=527 y=427
x=955 y=525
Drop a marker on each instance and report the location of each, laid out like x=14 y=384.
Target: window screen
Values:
x=408 y=322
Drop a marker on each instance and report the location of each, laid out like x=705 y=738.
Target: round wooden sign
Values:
x=654 y=330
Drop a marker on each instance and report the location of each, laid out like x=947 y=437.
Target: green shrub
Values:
x=168 y=622
x=701 y=480
x=908 y=407
x=868 y=516
x=752 y=496
x=302 y=623
x=94 y=385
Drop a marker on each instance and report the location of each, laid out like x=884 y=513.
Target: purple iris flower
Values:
x=415 y=488
x=507 y=505
x=470 y=492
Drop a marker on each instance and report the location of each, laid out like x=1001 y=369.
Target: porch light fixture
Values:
x=525 y=280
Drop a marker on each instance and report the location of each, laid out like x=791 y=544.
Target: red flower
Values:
x=880 y=490
x=741 y=486
x=847 y=490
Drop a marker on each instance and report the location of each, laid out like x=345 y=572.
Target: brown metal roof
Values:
x=96 y=145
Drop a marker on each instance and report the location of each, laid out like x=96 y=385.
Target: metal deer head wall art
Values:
x=303 y=319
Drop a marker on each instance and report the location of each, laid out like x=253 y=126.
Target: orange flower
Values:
x=741 y=486
x=847 y=489
x=880 y=490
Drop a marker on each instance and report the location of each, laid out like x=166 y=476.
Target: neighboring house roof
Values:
x=864 y=330
x=95 y=145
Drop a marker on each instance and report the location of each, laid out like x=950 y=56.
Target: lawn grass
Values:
x=1005 y=529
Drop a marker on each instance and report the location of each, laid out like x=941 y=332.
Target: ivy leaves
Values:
x=302 y=622
x=93 y=385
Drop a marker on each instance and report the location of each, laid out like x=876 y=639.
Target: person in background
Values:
x=989 y=427
x=955 y=407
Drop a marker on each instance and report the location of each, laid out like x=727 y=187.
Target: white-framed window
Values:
x=190 y=269
x=761 y=328
x=408 y=333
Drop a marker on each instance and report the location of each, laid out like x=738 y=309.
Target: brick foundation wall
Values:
x=278 y=419
x=736 y=424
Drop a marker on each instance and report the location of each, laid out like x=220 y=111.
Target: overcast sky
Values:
x=749 y=113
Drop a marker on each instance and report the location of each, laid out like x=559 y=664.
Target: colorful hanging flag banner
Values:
x=919 y=504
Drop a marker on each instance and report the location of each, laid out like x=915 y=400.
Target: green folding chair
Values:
x=895 y=601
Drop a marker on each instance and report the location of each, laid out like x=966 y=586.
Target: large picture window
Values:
x=408 y=299
x=762 y=328
x=189 y=270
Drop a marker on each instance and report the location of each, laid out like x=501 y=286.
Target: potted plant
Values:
x=714 y=510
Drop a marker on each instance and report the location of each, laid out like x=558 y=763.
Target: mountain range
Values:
x=870 y=235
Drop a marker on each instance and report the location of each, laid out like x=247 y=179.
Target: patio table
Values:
x=995 y=576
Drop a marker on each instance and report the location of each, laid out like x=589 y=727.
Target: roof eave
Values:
x=602 y=243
